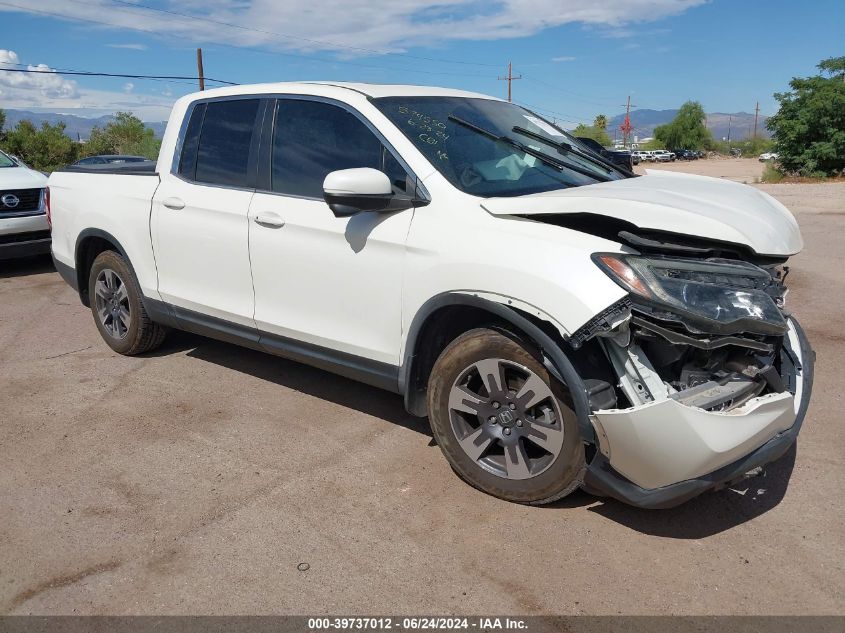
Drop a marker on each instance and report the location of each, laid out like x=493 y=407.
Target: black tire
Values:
x=563 y=472
x=142 y=334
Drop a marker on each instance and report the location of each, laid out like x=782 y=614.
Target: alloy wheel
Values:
x=506 y=418
x=112 y=303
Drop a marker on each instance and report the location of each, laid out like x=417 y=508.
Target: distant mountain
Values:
x=77 y=127
x=644 y=121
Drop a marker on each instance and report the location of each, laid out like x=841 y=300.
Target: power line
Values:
x=74 y=70
x=121 y=75
x=568 y=117
x=233 y=46
x=188 y=16
x=568 y=93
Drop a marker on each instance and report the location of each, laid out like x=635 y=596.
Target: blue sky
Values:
x=577 y=58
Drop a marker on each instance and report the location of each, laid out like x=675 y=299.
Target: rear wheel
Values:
x=117 y=308
x=505 y=425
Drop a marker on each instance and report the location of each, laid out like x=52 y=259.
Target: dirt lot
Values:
x=747 y=170
x=196 y=479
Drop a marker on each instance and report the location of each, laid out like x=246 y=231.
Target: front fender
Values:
x=554 y=358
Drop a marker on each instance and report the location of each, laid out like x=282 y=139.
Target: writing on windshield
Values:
x=468 y=141
x=432 y=131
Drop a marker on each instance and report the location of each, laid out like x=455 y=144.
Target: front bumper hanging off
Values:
x=660 y=454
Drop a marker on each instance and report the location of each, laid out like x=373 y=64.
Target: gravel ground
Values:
x=747 y=170
x=198 y=478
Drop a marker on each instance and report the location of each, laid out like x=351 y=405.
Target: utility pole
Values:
x=756 y=114
x=199 y=69
x=510 y=78
x=626 y=126
x=730 y=120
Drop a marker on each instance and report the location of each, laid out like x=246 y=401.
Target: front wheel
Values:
x=503 y=423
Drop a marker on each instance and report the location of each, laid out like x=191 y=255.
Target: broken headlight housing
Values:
x=723 y=296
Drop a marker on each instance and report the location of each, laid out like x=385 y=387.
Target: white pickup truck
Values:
x=24 y=229
x=561 y=322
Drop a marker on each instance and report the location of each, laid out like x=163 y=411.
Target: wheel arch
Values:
x=443 y=318
x=89 y=244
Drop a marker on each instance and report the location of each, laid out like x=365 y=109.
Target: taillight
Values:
x=47 y=207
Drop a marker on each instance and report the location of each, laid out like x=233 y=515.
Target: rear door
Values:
x=199 y=216
x=333 y=283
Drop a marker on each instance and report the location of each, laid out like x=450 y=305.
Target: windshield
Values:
x=6 y=161
x=459 y=136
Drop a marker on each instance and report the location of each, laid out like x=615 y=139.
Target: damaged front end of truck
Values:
x=698 y=377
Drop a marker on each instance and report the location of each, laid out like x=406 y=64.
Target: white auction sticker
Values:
x=548 y=129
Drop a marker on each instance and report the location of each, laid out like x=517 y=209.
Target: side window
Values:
x=223 y=149
x=188 y=159
x=311 y=139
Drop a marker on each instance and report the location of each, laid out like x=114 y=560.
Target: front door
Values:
x=329 y=282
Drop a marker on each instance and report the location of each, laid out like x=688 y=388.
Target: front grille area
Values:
x=29 y=200
x=17 y=238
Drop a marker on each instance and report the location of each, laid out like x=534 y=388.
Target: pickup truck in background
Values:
x=663 y=155
x=24 y=229
x=561 y=321
x=621 y=157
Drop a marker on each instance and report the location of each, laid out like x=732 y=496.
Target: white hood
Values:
x=21 y=178
x=678 y=203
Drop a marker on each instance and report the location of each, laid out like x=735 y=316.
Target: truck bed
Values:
x=117 y=201
x=147 y=168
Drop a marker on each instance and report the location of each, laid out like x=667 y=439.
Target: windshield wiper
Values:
x=522 y=147
x=565 y=148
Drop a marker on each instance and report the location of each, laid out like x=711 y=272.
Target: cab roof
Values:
x=341 y=88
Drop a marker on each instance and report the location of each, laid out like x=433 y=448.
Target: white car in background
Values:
x=24 y=229
x=561 y=321
x=766 y=156
x=663 y=156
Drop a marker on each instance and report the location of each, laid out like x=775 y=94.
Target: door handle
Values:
x=173 y=203
x=269 y=219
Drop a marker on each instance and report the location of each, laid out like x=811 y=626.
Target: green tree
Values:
x=686 y=130
x=593 y=132
x=809 y=127
x=600 y=122
x=833 y=66
x=2 y=122
x=127 y=134
x=46 y=148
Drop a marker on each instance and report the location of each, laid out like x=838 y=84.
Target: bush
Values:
x=771 y=173
x=46 y=148
x=127 y=134
x=750 y=147
x=809 y=127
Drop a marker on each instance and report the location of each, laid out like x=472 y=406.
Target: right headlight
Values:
x=730 y=296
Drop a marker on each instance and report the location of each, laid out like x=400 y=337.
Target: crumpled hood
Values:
x=680 y=203
x=21 y=178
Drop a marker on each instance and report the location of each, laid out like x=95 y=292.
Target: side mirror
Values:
x=351 y=191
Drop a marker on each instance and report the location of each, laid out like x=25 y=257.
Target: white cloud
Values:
x=39 y=84
x=381 y=25
x=131 y=47
x=53 y=93
x=565 y=58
